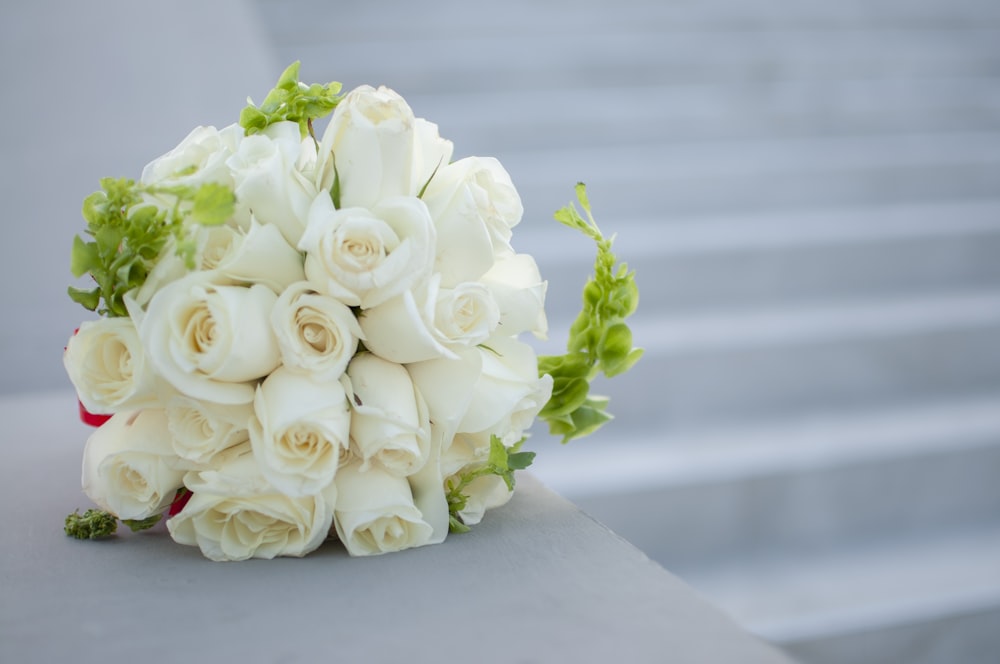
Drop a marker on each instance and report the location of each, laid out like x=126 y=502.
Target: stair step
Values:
x=712 y=369
x=667 y=180
x=479 y=122
x=818 y=606
x=799 y=484
x=520 y=60
x=589 y=16
x=742 y=262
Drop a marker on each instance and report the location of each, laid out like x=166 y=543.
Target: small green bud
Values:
x=92 y=524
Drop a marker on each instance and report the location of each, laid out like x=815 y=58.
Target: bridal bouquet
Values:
x=305 y=336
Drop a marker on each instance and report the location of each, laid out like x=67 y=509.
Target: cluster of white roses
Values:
x=242 y=380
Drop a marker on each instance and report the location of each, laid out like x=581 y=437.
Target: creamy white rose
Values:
x=364 y=257
x=259 y=255
x=474 y=206
x=377 y=149
x=229 y=255
x=235 y=514
x=483 y=493
x=375 y=512
x=199 y=158
x=508 y=393
x=317 y=334
x=201 y=429
x=448 y=389
x=463 y=450
x=109 y=369
x=211 y=342
x=300 y=432
x=519 y=291
x=268 y=170
x=430 y=322
x=129 y=465
x=389 y=423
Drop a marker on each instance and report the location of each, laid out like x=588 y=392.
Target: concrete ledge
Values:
x=537 y=581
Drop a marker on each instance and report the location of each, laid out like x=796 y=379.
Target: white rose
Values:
x=201 y=429
x=463 y=450
x=316 y=333
x=235 y=514
x=169 y=267
x=465 y=453
x=519 y=291
x=199 y=158
x=364 y=257
x=466 y=315
x=230 y=255
x=268 y=172
x=377 y=149
x=430 y=322
x=474 y=206
x=129 y=466
x=448 y=389
x=483 y=493
x=375 y=512
x=300 y=432
x=259 y=255
x=509 y=392
x=109 y=369
x=389 y=423
x=211 y=342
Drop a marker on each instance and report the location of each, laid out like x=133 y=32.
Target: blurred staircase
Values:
x=810 y=194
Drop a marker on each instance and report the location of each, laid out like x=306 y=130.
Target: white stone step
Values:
x=746 y=261
x=799 y=484
x=446 y=18
x=480 y=122
x=541 y=51
x=714 y=369
x=667 y=180
x=934 y=599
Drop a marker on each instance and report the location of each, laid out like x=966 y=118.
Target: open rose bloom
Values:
x=334 y=355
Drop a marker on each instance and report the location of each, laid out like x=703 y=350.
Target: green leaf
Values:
x=587 y=419
x=213 y=204
x=614 y=349
x=568 y=394
x=138 y=525
x=335 y=189
x=455 y=524
x=88 y=298
x=520 y=460
x=84 y=257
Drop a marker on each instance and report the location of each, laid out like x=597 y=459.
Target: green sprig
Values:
x=129 y=232
x=502 y=462
x=600 y=342
x=293 y=101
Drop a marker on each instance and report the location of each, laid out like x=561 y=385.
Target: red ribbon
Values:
x=93 y=419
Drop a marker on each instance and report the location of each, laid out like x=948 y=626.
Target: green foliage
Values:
x=138 y=525
x=92 y=524
x=600 y=342
x=502 y=462
x=129 y=232
x=291 y=100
